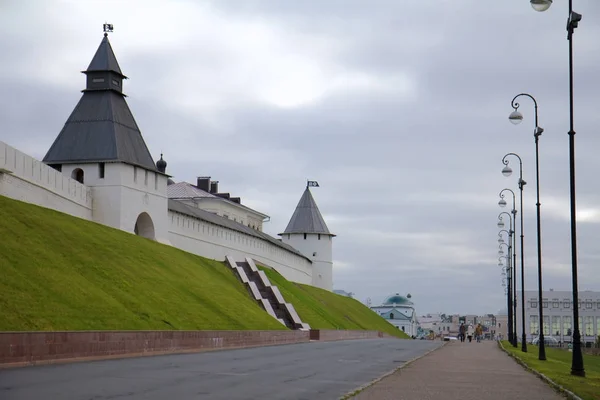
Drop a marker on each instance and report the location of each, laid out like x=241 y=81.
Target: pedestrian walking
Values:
x=470 y=332
x=478 y=333
x=461 y=332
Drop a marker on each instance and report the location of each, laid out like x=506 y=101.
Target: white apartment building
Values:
x=557 y=307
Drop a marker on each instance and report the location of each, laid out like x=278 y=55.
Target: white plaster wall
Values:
x=215 y=242
x=322 y=260
x=127 y=191
x=29 y=180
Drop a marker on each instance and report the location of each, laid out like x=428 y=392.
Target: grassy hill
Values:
x=59 y=272
x=322 y=309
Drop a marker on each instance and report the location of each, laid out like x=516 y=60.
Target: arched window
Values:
x=391 y=315
x=77 y=174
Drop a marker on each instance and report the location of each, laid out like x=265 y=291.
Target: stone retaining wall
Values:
x=329 y=335
x=30 y=348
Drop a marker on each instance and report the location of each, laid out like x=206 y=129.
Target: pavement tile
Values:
x=465 y=371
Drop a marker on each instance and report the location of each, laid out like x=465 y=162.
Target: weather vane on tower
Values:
x=107 y=28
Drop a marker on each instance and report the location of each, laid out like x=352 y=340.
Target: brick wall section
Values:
x=329 y=335
x=29 y=348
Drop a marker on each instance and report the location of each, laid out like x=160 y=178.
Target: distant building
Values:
x=558 y=315
x=502 y=325
x=399 y=311
x=437 y=323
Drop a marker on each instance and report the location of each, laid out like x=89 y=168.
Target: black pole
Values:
x=509 y=293
x=514 y=266
x=537 y=132
x=577 y=362
x=542 y=344
x=524 y=336
x=521 y=184
x=512 y=260
x=508 y=270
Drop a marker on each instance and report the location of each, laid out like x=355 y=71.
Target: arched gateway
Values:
x=144 y=226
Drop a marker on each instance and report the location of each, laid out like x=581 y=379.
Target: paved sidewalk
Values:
x=465 y=371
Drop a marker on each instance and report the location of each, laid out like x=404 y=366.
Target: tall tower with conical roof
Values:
x=102 y=147
x=308 y=233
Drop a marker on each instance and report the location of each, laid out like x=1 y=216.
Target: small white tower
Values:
x=102 y=147
x=308 y=233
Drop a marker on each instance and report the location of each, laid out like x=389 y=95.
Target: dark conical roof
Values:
x=307 y=218
x=101 y=127
x=105 y=59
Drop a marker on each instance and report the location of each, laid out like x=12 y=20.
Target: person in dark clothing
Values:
x=461 y=332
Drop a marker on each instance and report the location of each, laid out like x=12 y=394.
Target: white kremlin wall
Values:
x=24 y=178
x=216 y=242
x=27 y=179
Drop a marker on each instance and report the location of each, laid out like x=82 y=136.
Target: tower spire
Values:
x=307 y=218
x=101 y=128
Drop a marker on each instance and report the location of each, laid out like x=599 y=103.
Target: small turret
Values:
x=161 y=165
x=308 y=233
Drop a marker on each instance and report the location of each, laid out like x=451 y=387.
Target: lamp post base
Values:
x=524 y=344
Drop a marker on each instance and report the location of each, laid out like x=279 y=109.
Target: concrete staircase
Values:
x=267 y=295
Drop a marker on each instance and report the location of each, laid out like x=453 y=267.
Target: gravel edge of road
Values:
x=356 y=391
x=565 y=392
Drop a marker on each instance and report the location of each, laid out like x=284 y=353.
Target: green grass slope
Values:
x=59 y=272
x=557 y=367
x=322 y=309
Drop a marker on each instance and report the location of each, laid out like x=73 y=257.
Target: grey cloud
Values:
x=417 y=165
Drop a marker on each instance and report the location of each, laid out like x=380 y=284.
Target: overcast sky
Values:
x=397 y=108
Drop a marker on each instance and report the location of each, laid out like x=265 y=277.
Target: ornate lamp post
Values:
x=507 y=271
x=516 y=117
x=502 y=203
x=572 y=23
x=509 y=233
x=507 y=171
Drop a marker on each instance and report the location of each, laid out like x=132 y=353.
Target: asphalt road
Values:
x=316 y=370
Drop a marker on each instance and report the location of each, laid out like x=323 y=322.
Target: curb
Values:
x=374 y=381
x=570 y=395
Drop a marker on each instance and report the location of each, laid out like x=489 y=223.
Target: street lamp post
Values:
x=507 y=171
x=516 y=117
x=509 y=277
x=573 y=20
x=502 y=203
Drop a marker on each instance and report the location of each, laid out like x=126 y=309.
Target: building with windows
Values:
x=558 y=315
x=439 y=324
x=399 y=311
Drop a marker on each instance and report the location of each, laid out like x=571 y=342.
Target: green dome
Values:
x=397 y=300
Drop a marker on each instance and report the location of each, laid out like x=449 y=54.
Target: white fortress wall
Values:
x=216 y=242
x=26 y=179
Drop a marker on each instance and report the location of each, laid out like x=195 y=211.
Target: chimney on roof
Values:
x=203 y=183
x=223 y=195
x=236 y=200
x=214 y=187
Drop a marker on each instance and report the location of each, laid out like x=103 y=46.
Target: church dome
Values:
x=397 y=300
